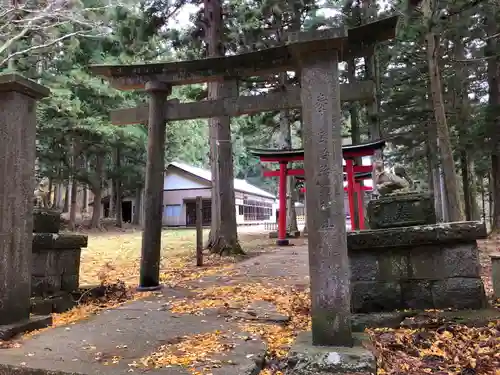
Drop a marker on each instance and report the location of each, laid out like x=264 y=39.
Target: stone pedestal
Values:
x=56 y=263
x=306 y=359
x=17 y=160
x=495 y=274
x=425 y=267
x=401 y=210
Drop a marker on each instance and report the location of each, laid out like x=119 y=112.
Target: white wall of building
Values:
x=180 y=187
x=176 y=180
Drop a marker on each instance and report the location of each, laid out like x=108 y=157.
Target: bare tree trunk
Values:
x=111 y=189
x=368 y=13
x=85 y=195
x=452 y=198
x=96 y=188
x=355 y=131
x=49 y=192
x=434 y=175
x=57 y=196
x=75 y=167
x=224 y=235
x=372 y=73
x=291 y=212
x=85 y=200
x=136 y=219
x=74 y=206
x=66 y=197
x=118 y=184
x=462 y=115
x=286 y=144
x=493 y=112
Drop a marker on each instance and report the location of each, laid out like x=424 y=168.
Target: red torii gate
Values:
x=358 y=189
x=283 y=157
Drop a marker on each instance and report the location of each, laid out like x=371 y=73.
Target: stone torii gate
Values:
x=316 y=54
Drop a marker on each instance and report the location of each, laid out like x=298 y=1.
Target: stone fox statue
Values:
x=40 y=195
x=387 y=182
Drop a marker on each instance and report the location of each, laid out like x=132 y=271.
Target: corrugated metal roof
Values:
x=239 y=185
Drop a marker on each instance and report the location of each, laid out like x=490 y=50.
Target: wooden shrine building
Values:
x=316 y=56
x=353 y=173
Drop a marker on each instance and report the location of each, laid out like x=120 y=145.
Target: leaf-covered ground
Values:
x=110 y=265
x=277 y=277
x=449 y=350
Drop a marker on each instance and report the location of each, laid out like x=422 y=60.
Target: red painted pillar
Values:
x=282 y=241
x=349 y=168
x=361 y=217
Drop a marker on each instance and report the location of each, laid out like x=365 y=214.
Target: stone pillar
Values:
x=328 y=262
x=18 y=98
x=495 y=274
x=153 y=202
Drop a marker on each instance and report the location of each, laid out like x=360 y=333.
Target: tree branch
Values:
x=41 y=46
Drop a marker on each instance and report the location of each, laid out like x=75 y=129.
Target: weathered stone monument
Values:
x=406 y=260
x=398 y=204
x=18 y=98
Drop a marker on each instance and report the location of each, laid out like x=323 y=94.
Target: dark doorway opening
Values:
x=191 y=213
x=127 y=211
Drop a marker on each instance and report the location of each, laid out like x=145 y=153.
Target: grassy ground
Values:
x=115 y=255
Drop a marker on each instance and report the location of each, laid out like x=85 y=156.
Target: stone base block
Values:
x=8 y=331
x=374 y=296
x=306 y=359
x=360 y=322
x=55 y=263
x=52 y=304
x=154 y=288
x=470 y=318
x=459 y=293
x=282 y=242
x=273 y=235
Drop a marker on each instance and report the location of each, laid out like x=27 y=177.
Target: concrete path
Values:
x=108 y=343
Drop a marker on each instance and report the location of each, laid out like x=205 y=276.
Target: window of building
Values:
x=254 y=210
x=173 y=210
x=240 y=210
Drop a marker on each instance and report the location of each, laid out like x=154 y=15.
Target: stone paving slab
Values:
x=129 y=332
x=137 y=328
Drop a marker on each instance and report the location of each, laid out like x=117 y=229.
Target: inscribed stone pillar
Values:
x=17 y=163
x=153 y=202
x=328 y=262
